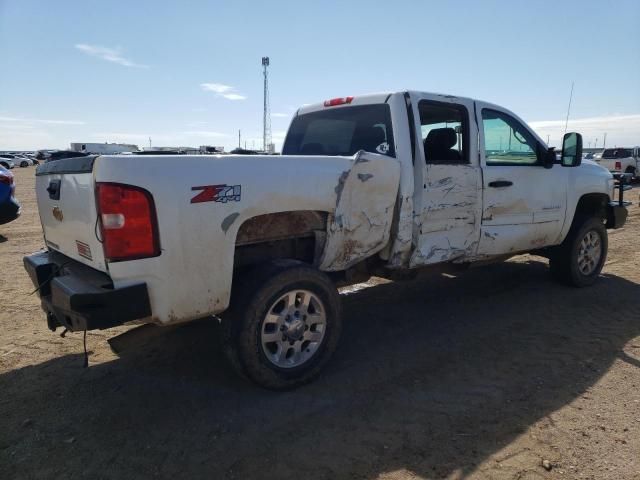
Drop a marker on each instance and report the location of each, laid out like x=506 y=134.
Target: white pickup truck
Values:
x=372 y=185
x=620 y=160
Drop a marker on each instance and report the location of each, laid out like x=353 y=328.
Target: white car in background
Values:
x=19 y=160
x=7 y=163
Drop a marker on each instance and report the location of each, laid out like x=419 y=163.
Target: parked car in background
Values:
x=619 y=160
x=23 y=161
x=52 y=155
x=9 y=206
x=7 y=163
x=20 y=160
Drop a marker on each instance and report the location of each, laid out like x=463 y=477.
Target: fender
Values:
x=588 y=178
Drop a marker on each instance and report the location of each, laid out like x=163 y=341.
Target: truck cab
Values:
x=476 y=182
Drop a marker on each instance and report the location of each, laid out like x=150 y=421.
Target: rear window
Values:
x=341 y=131
x=617 y=153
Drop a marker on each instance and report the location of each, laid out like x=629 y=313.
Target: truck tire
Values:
x=283 y=324
x=632 y=171
x=580 y=258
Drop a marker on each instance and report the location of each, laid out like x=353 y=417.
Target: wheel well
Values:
x=593 y=205
x=295 y=234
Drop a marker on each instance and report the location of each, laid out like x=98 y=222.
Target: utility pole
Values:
x=566 y=123
x=149 y=142
x=547 y=140
x=595 y=145
x=266 y=116
x=604 y=142
x=238 y=138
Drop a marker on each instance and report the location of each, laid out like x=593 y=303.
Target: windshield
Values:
x=616 y=153
x=341 y=131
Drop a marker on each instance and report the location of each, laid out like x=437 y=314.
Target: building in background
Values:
x=103 y=148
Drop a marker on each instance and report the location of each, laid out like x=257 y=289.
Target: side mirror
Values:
x=571 y=150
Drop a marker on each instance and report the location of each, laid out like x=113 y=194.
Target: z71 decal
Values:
x=217 y=193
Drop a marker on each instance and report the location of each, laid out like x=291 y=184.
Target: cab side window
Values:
x=507 y=141
x=445 y=132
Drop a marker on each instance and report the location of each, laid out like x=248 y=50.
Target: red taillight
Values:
x=618 y=165
x=127 y=222
x=6 y=179
x=338 y=101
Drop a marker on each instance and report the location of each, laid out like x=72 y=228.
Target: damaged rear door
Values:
x=448 y=180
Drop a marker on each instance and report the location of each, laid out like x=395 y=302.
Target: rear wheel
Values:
x=283 y=325
x=580 y=258
x=24 y=163
x=632 y=171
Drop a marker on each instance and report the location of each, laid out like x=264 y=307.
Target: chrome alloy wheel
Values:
x=293 y=328
x=589 y=253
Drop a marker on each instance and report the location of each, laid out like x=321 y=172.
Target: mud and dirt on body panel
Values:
x=281 y=225
x=365 y=199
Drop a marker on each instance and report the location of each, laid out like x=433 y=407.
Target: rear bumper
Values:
x=9 y=211
x=616 y=215
x=78 y=297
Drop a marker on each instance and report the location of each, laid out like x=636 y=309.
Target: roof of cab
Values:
x=372 y=98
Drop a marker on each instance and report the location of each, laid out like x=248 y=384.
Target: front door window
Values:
x=507 y=141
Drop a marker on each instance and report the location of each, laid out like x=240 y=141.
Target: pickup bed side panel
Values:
x=192 y=276
x=361 y=224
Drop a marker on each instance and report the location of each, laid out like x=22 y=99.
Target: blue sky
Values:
x=188 y=73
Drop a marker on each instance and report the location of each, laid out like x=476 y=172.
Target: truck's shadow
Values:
x=432 y=376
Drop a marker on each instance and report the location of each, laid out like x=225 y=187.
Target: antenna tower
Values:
x=266 y=114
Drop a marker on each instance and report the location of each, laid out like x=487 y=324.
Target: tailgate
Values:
x=67 y=205
x=608 y=163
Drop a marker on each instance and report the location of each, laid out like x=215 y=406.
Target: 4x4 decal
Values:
x=217 y=193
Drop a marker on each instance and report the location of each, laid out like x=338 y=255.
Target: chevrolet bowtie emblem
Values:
x=57 y=214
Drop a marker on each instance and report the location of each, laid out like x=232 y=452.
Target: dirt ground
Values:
x=482 y=375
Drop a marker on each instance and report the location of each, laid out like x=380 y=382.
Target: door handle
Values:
x=54 y=189
x=500 y=183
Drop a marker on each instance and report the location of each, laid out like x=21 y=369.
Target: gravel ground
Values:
x=496 y=373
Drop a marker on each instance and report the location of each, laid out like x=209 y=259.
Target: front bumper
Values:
x=616 y=214
x=9 y=210
x=78 y=297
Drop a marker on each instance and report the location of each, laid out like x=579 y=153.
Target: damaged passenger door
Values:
x=448 y=182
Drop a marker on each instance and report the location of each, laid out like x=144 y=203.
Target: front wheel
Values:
x=283 y=325
x=580 y=258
